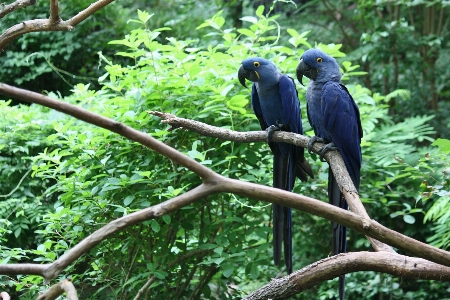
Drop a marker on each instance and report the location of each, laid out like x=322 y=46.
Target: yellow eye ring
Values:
x=256 y=64
x=319 y=59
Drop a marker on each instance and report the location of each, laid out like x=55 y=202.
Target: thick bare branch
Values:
x=65 y=286
x=83 y=15
x=54 y=23
x=36 y=25
x=332 y=267
x=18 y=269
x=6 y=9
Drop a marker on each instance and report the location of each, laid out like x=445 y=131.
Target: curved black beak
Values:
x=242 y=75
x=247 y=74
x=305 y=70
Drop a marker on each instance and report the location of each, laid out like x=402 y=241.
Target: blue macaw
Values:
x=334 y=116
x=276 y=105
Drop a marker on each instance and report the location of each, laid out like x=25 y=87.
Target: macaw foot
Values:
x=271 y=129
x=328 y=147
x=312 y=141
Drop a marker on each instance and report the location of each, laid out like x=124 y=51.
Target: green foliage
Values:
x=24 y=132
x=431 y=174
x=220 y=246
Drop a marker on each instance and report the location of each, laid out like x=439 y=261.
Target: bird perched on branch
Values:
x=276 y=105
x=334 y=116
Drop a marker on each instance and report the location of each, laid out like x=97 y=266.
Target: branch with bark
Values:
x=332 y=267
x=65 y=286
x=53 y=23
x=4 y=296
x=433 y=263
x=7 y=9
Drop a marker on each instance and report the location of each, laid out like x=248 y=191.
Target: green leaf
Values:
x=254 y=271
x=155 y=226
x=144 y=16
x=259 y=11
x=250 y=19
x=218 y=250
x=128 y=200
x=227 y=269
x=219 y=21
x=160 y=274
x=409 y=219
x=167 y=219
x=247 y=32
x=207 y=246
x=218 y=260
x=443 y=144
x=292 y=32
x=238 y=101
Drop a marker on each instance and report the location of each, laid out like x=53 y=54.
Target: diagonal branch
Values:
x=84 y=14
x=7 y=9
x=332 y=267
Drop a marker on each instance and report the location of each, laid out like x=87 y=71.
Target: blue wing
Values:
x=257 y=108
x=291 y=105
x=341 y=119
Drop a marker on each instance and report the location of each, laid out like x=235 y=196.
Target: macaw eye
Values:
x=319 y=59
x=256 y=64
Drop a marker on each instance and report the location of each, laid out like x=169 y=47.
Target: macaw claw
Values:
x=312 y=140
x=328 y=147
x=270 y=130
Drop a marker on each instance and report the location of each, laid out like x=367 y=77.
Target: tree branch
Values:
x=7 y=9
x=18 y=269
x=54 y=12
x=331 y=267
x=54 y=23
x=84 y=14
x=65 y=286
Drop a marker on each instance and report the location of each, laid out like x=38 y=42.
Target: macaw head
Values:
x=318 y=66
x=258 y=69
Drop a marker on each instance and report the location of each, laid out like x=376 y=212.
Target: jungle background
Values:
x=62 y=179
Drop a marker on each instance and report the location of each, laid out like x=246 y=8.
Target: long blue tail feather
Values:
x=282 y=216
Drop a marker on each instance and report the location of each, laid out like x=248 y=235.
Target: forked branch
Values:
x=53 y=23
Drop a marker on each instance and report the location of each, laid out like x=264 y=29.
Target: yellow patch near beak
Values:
x=257 y=75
